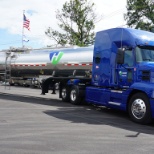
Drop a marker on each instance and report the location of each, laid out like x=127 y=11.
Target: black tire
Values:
x=75 y=97
x=65 y=94
x=139 y=109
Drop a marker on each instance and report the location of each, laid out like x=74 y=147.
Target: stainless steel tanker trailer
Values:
x=30 y=68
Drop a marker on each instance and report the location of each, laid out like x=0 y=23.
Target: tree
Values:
x=76 y=20
x=140 y=14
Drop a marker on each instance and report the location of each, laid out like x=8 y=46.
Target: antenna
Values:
x=121 y=36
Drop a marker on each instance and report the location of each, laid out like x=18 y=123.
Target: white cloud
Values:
x=43 y=16
x=112 y=13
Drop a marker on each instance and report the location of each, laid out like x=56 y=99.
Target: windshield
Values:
x=144 y=53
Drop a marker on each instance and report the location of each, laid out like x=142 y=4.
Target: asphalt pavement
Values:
x=31 y=123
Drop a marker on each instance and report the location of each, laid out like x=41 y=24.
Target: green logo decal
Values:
x=55 y=57
x=120 y=73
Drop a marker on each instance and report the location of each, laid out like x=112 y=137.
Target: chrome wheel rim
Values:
x=138 y=108
x=73 y=95
x=63 y=93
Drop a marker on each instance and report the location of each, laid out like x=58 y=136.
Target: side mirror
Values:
x=120 y=56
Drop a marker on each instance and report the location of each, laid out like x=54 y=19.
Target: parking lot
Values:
x=31 y=123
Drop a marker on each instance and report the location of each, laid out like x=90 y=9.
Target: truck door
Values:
x=125 y=71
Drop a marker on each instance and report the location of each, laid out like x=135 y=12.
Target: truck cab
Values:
x=123 y=72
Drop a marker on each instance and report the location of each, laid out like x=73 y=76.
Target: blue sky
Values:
x=41 y=14
x=8 y=39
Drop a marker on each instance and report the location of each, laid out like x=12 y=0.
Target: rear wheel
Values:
x=139 y=109
x=65 y=94
x=75 y=96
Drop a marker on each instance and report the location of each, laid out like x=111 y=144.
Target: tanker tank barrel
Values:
x=30 y=66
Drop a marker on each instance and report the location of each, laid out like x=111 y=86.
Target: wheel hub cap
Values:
x=63 y=93
x=138 y=108
x=73 y=95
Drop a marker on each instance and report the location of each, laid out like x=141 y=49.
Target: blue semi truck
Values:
x=122 y=75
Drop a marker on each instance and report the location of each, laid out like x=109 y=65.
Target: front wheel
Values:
x=139 y=109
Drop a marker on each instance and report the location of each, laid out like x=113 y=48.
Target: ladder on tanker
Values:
x=7 y=74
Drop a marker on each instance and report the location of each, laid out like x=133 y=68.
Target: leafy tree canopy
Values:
x=140 y=14
x=76 y=21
